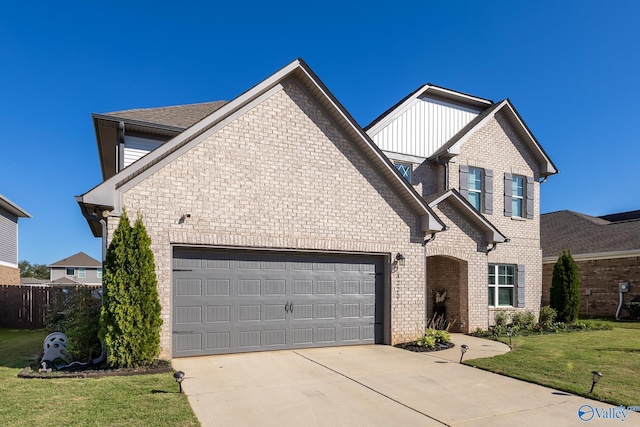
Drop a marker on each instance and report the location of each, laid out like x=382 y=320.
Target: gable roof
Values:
x=584 y=234
x=15 y=210
x=103 y=196
x=432 y=91
x=462 y=205
x=453 y=146
x=77 y=260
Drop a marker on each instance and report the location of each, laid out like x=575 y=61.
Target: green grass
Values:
x=141 y=400
x=564 y=361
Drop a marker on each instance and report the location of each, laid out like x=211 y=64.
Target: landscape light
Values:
x=179 y=376
x=463 y=349
x=594 y=379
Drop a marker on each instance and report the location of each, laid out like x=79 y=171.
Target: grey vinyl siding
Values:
x=8 y=237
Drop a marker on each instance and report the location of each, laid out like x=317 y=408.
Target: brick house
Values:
x=9 y=215
x=606 y=250
x=277 y=222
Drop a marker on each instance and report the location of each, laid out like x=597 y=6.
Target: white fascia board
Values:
x=12 y=208
x=8 y=264
x=596 y=256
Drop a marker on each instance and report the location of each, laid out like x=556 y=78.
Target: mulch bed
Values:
x=413 y=346
x=98 y=371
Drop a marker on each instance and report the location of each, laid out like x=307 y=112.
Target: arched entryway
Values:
x=450 y=275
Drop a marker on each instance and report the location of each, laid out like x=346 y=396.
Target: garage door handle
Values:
x=291 y=306
x=286 y=307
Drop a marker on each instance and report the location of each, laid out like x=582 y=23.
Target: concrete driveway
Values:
x=375 y=386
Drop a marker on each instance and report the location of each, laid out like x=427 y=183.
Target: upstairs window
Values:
x=71 y=271
x=476 y=185
x=81 y=273
x=99 y=273
x=518 y=196
x=405 y=170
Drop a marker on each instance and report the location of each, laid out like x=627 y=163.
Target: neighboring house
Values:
x=9 y=215
x=606 y=250
x=78 y=269
x=277 y=222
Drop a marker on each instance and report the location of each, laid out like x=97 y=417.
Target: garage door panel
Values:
x=236 y=301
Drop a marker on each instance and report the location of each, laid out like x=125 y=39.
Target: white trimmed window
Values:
x=81 y=273
x=405 y=170
x=99 y=273
x=476 y=185
x=501 y=284
x=517 y=196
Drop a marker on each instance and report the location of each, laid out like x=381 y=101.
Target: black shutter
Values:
x=464 y=181
x=529 y=197
x=520 y=277
x=508 y=181
x=488 y=191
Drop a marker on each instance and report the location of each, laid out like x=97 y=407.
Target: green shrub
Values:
x=523 y=320
x=501 y=319
x=565 y=288
x=130 y=317
x=547 y=316
x=76 y=313
x=427 y=341
x=432 y=336
x=634 y=310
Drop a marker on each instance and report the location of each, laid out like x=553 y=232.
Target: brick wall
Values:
x=281 y=176
x=9 y=275
x=496 y=146
x=601 y=277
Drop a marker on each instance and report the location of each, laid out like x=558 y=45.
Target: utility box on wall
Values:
x=623 y=287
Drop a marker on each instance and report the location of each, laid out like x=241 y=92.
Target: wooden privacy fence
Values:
x=24 y=307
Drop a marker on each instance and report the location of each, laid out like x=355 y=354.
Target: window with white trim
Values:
x=99 y=273
x=81 y=273
x=405 y=170
x=517 y=196
x=71 y=271
x=475 y=188
x=502 y=279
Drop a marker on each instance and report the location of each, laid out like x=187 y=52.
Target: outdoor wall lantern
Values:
x=179 y=376
x=596 y=377
x=463 y=350
x=400 y=259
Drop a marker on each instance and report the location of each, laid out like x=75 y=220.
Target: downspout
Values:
x=120 y=148
x=424 y=245
x=446 y=172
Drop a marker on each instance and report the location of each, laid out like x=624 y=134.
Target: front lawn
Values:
x=141 y=400
x=565 y=360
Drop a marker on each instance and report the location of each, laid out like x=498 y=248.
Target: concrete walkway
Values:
x=374 y=386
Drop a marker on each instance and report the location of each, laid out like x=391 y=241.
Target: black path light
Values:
x=463 y=350
x=510 y=333
x=179 y=376
x=594 y=379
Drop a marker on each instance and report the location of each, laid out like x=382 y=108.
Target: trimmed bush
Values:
x=547 y=316
x=565 y=288
x=523 y=320
x=634 y=310
x=130 y=317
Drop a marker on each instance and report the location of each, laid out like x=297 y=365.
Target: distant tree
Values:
x=37 y=271
x=565 y=288
x=130 y=317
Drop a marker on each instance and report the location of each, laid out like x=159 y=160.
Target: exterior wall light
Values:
x=594 y=379
x=400 y=259
x=463 y=349
x=179 y=376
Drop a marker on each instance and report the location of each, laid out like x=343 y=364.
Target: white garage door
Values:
x=239 y=301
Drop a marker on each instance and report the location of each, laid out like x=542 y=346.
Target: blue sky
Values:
x=571 y=69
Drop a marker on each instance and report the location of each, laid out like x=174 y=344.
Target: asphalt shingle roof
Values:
x=78 y=260
x=180 y=116
x=584 y=234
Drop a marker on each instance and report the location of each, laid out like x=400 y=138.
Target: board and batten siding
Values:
x=423 y=127
x=8 y=239
x=136 y=147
